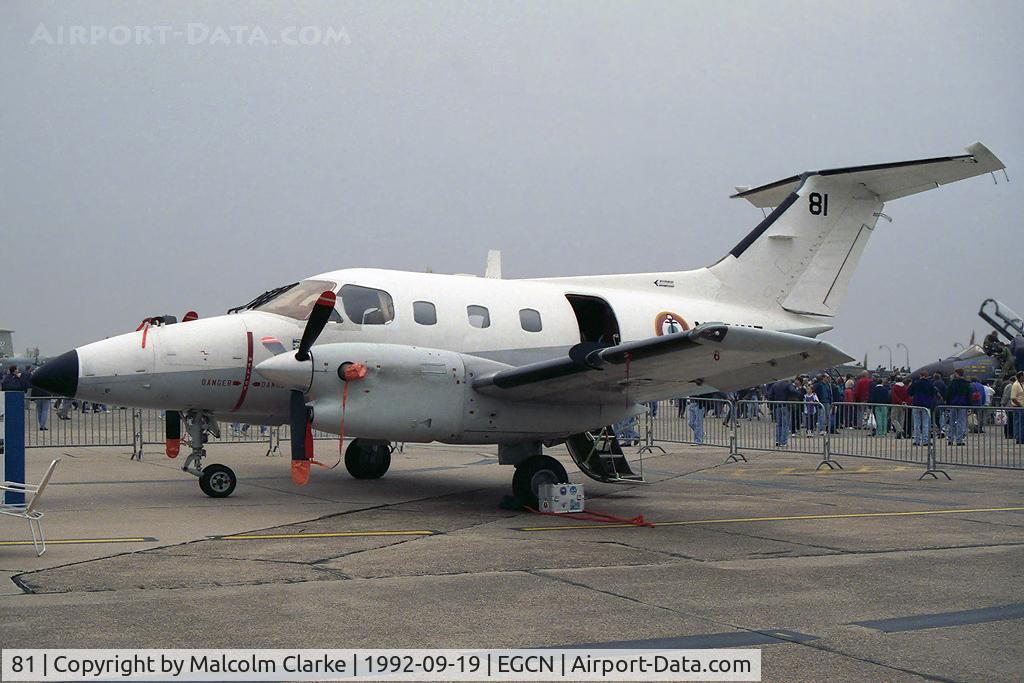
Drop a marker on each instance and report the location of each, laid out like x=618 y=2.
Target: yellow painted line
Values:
x=83 y=541
x=740 y=520
x=796 y=472
x=864 y=469
x=332 y=534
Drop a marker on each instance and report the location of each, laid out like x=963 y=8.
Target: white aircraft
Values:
x=389 y=356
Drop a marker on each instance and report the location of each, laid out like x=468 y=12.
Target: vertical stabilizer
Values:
x=803 y=254
x=6 y=343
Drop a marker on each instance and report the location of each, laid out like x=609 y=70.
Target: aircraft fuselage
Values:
x=208 y=363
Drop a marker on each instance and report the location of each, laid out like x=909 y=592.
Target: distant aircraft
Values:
x=388 y=356
x=9 y=358
x=973 y=360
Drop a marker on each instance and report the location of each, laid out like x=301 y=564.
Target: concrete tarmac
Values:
x=860 y=574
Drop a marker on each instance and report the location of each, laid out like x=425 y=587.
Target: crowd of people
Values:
x=882 y=404
x=17 y=379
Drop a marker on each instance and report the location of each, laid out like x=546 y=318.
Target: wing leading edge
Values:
x=710 y=357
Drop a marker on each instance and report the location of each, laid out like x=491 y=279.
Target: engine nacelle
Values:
x=408 y=394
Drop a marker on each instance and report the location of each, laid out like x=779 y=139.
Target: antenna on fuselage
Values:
x=493 y=270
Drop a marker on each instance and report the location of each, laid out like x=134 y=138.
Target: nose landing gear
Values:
x=216 y=481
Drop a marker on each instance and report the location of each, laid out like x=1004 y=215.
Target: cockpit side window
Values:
x=297 y=301
x=367 y=306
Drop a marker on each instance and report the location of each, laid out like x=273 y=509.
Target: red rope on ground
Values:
x=594 y=516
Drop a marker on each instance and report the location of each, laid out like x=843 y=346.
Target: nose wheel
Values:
x=217 y=481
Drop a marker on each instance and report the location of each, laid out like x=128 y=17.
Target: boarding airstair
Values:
x=599 y=455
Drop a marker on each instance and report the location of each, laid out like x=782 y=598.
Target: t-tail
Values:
x=6 y=343
x=803 y=254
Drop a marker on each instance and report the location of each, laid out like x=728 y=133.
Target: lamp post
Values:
x=907 y=351
x=886 y=347
x=956 y=344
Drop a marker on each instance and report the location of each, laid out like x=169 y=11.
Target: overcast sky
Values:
x=577 y=138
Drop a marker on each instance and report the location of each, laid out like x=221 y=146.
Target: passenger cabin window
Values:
x=297 y=301
x=424 y=312
x=530 y=320
x=478 y=316
x=366 y=306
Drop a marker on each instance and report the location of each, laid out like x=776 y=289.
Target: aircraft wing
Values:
x=710 y=357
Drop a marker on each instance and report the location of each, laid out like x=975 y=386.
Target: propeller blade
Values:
x=189 y=317
x=318 y=318
x=172 y=427
x=302 y=451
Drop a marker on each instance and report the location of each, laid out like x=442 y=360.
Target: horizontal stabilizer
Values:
x=887 y=181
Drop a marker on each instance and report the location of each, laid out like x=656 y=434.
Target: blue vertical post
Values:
x=14 y=443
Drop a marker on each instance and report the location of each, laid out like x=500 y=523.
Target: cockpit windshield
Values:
x=971 y=351
x=297 y=301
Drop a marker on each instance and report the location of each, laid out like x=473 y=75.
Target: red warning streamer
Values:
x=351 y=372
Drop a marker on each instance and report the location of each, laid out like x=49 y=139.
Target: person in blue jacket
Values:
x=783 y=390
x=922 y=395
x=958 y=397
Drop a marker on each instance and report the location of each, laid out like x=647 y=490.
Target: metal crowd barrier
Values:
x=987 y=433
x=899 y=433
x=71 y=423
x=846 y=429
x=881 y=431
x=790 y=426
x=75 y=423
x=706 y=421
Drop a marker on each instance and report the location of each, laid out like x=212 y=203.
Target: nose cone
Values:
x=287 y=372
x=58 y=376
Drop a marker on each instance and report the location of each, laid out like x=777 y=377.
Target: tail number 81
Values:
x=817 y=203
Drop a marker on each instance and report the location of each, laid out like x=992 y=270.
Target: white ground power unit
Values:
x=560 y=498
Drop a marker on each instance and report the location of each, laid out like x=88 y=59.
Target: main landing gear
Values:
x=368 y=458
x=216 y=481
x=534 y=471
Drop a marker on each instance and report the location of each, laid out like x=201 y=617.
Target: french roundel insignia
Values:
x=668 y=322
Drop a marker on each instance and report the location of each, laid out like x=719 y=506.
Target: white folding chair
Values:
x=29 y=509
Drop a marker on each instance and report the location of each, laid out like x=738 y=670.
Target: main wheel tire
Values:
x=218 y=481
x=534 y=471
x=367 y=460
